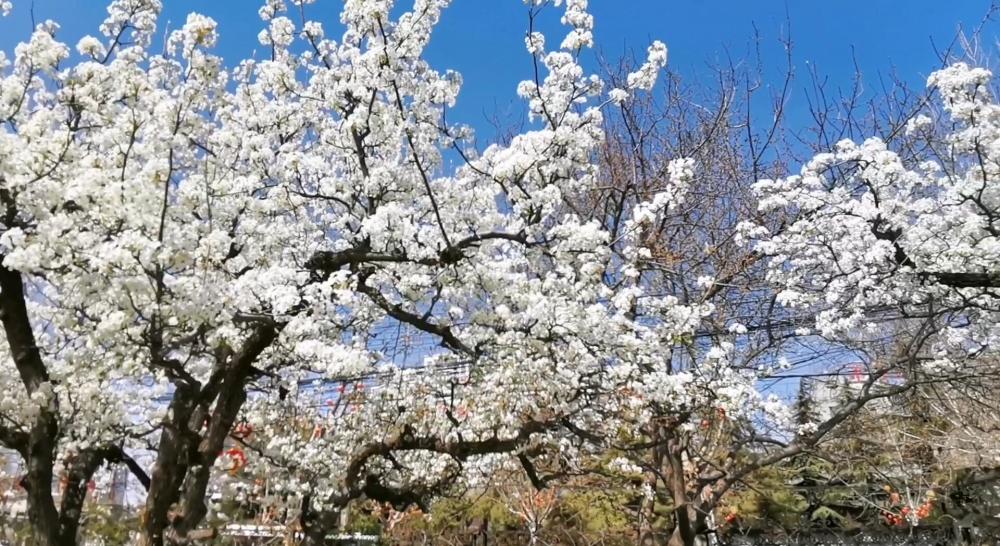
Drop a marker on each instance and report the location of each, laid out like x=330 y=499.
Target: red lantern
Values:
x=239 y=460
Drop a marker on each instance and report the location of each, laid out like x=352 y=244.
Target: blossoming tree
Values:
x=186 y=244
x=903 y=234
x=190 y=246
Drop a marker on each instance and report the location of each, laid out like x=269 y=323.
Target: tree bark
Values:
x=651 y=532
x=192 y=440
x=169 y=468
x=684 y=530
x=39 y=447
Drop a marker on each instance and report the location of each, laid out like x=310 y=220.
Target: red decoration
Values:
x=239 y=459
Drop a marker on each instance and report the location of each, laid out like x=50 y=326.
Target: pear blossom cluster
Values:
x=882 y=232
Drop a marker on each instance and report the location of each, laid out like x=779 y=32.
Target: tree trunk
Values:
x=79 y=472
x=169 y=469
x=649 y=534
x=43 y=518
x=684 y=528
x=647 y=515
x=38 y=447
x=192 y=440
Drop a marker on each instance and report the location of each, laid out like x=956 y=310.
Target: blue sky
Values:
x=483 y=39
